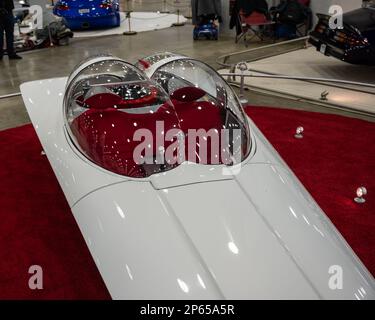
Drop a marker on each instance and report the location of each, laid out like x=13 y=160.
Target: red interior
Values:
x=102 y=100
x=188 y=94
x=106 y=134
x=110 y=100
x=254 y=18
x=200 y=115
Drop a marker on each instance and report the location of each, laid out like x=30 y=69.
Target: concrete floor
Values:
x=59 y=61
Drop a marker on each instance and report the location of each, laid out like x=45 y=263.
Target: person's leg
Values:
x=9 y=34
x=1 y=39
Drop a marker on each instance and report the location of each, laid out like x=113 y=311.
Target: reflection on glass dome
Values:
x=148 y=61
x=106 y=101
x=135 y=126
x=203 y=100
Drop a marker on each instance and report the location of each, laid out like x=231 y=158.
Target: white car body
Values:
x=194 y=233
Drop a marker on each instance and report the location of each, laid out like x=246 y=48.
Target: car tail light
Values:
x=351 y=39
x=320 y=28
x=63 y=7
x=106 y=5
x=341 y=37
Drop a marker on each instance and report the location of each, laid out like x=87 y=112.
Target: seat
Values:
x=256 y=24
x=103 y=98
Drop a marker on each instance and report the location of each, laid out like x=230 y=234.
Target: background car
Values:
x=89 y=14
x=355 y=43
x=208 y=30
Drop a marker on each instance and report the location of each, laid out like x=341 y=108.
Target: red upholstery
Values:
x=111 y=100
x=106 y=136
x=188 y=94
x=200 y=115
x=102 y=100
x=255 y=18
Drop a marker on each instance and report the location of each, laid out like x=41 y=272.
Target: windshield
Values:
x=148 y=61
x=215 y=107
x=131 y=125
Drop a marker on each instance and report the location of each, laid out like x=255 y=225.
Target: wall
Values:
x=322 y=6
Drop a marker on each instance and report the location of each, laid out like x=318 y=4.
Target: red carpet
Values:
x=336 y=156
x=37 y=227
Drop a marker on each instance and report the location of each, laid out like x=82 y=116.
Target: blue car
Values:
x=207 y=30
x=89 y=14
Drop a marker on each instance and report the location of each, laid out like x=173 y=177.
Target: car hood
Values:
x=258 y=235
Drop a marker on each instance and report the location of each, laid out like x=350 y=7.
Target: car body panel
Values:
x=359 y=25
x=208 y=31
x=139 y=247
x=84 y=14
x=77 y=175
x=211 y=236
x=161 y=246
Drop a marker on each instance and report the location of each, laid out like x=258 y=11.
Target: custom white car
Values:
x=162 y=222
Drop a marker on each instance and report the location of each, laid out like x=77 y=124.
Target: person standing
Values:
x=7 y=26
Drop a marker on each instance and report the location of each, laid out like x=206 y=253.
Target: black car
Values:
x=355 y=43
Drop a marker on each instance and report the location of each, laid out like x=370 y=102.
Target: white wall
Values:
x=322 y=6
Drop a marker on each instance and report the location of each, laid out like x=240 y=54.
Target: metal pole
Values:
x=50 y=37
x=130 y=32
x=178 y=23
x=226 y=56
x=243 y=100
x=164 y=8
x=242 y=66
x=10 y=95
x=285 y=77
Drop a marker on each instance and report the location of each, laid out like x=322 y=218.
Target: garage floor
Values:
x=310 y=63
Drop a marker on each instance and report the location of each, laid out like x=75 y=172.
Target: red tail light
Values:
x=320 y=28
x=350 y=38
x=62 y=7
x=106 y=5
